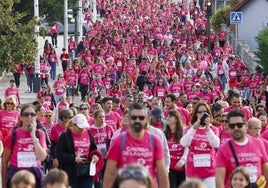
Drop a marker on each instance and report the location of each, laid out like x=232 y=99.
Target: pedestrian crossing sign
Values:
x=236 y=17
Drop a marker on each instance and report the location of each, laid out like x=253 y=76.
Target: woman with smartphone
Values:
x=202 y=140
x=25 y=148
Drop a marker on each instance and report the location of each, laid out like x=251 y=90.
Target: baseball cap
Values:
x=81 y=121
x=157 y=113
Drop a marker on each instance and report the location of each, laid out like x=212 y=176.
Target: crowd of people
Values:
x=158 y=108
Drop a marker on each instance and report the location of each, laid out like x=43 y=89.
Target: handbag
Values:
x=83 y=169
x=261 y=181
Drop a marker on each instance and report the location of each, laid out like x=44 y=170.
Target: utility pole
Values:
x=37 y=78
x=209 y=14
x=65 y=42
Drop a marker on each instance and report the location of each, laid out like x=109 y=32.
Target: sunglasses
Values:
x=26 y=114
x=136 y=174
x=44 y=87
x=85 y=108
x=70 y=117
x=200 y=112
x=224 y=121
x=135 y=117
x=233 y=125
x=48 y=115
x=11 y=103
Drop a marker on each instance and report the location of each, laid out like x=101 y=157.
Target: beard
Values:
x=137 y=127
x=238 y=135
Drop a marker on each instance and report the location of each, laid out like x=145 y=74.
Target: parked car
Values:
x=71 y=28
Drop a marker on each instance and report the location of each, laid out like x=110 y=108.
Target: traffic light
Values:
x=209 y=8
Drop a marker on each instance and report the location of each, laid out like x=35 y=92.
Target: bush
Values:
x=262 y=52
x=221 y=17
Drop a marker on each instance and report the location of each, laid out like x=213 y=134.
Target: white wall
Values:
x=255 y=14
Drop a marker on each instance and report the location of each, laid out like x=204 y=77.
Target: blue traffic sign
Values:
x=236 y=17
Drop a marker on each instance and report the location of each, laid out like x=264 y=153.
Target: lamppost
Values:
x=37 y=78
x=209 y=14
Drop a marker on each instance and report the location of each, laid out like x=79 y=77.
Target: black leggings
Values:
x=176 y=178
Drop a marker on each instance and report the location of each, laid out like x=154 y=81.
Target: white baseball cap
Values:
x=81 y=121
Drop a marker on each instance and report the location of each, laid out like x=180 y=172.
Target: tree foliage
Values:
x=262 y=52
x=220 y=18
x=51 y=10
x=17 y=40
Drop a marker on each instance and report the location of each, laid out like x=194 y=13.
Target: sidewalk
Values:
x=30 y=97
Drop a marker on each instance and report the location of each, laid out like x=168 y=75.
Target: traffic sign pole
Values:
x=236 y=18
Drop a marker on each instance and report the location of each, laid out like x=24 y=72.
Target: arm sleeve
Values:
x=213 y=139
x=186 y=140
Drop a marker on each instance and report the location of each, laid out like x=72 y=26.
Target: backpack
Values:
x=124 y=137
x=14 y=136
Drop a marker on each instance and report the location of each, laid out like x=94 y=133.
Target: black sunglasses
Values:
x=233 y=125
x=200 y=112
x=26 y=114
x=85 y=108
x=48 y=115
x=135 y=117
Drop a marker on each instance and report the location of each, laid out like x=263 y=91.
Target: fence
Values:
x=243 y=50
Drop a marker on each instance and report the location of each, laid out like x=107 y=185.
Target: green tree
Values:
x=17 y=40
x=52 y=10
x=262 y=52
x=220 y=18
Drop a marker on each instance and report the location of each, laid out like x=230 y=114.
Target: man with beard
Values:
x=241 y=150
x=137 y=146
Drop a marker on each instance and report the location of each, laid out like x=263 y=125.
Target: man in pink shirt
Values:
x=139 y=146
x=236 y=102
x=111 y=118
x=247 y=151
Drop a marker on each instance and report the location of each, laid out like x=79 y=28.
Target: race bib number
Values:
x=60 y=90
x=221 y=72
x=233 y=73
x=26 y=159
x=202 y=160
x=160 y=94
x=101 y=146
x=119 y=63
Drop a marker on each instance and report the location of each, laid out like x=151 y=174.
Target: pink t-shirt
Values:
x=56 y=131
x=101 y=134
x=84 y=78
x=137 y=151
x=176 y=151
x=201 y=158
x=59 y=87
x=113 y=119
x=23 y=153
x=224 y=135
x=251 y=155
x=246 y=111
x=81 y=143
x=12 y=92
x=8 y=120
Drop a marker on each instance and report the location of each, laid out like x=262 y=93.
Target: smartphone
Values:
x=203 y=118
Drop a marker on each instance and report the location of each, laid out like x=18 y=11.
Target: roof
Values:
x=239 y=5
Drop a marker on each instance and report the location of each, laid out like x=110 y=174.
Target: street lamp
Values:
x=209 y=14
x=37 y=78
